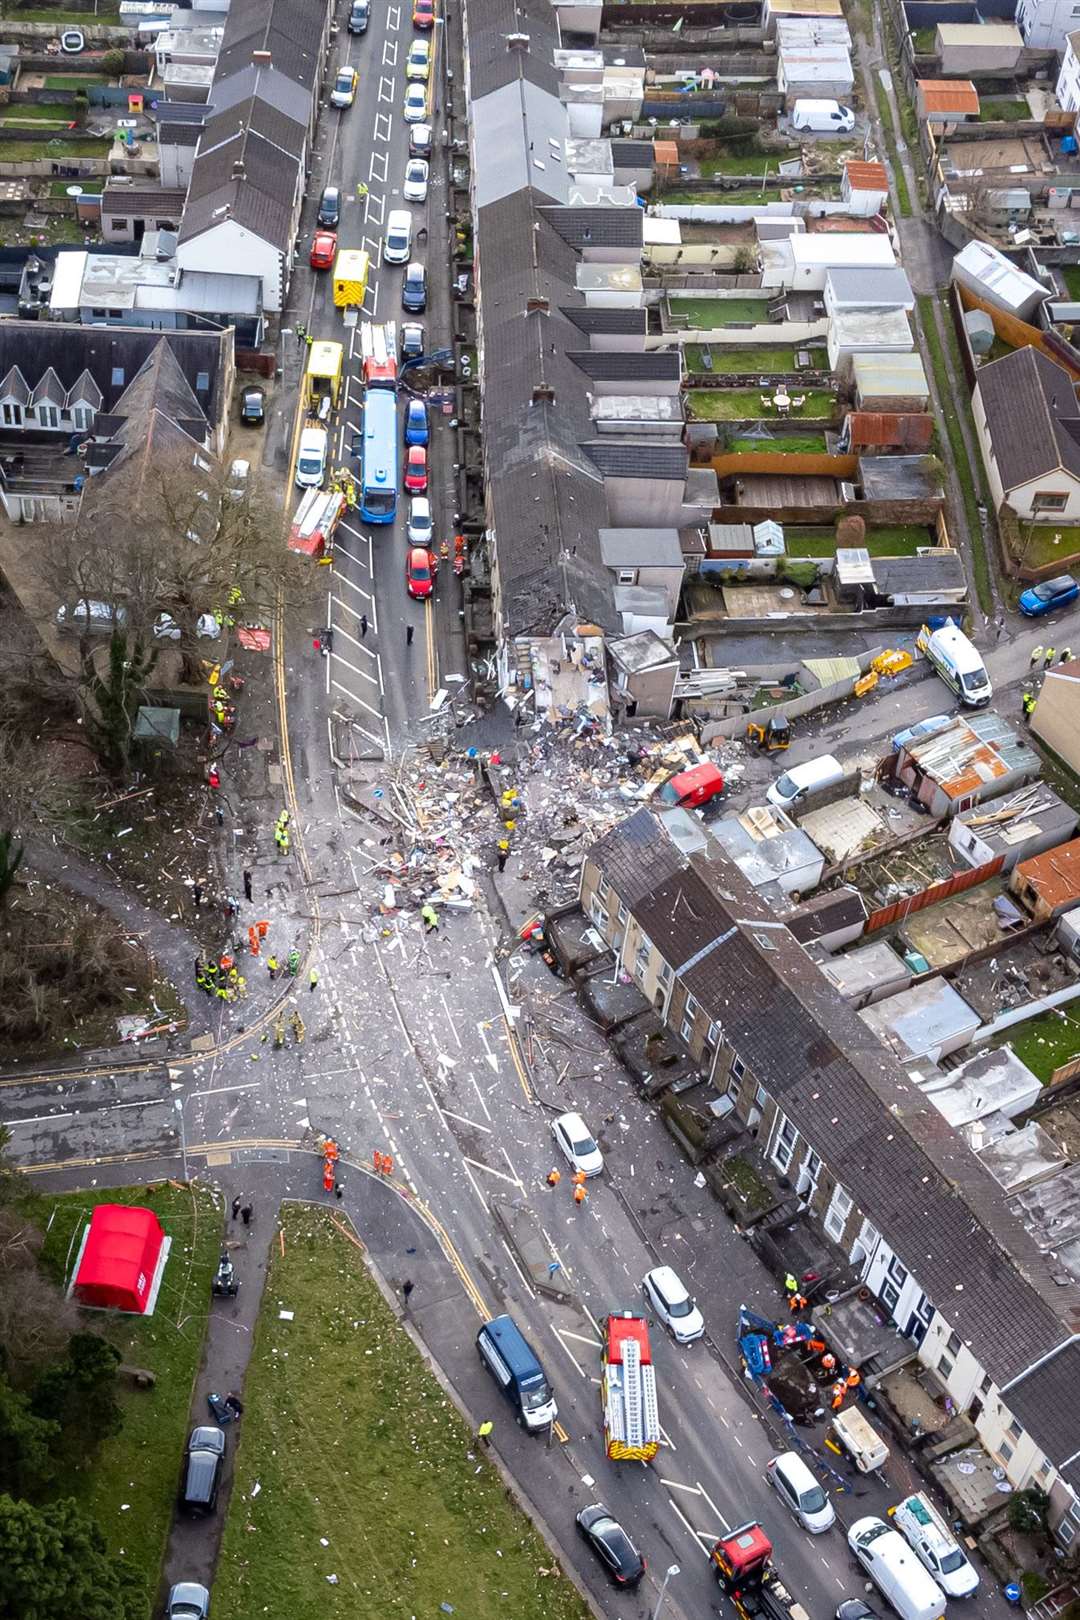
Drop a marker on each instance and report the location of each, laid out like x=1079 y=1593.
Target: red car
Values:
x=420 y=570
x=323 y=250
x=416 y=469
x=423 y=13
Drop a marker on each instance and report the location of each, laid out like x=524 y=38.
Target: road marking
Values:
x=338 y=547
x=386 y=88
x=449 y=1018
x=475 y=1188
x=389 y=53
x=513 y=1261
x=666 y=1438
x=697 y=1535
x=720 y=1517
x=569 y=1352
x=471 y=1123
x=382 y=130
x=376 y=208
x=480 y=1095
x=359 y=645
x=363 y=674
x=393 y=18
x=356 y=698
x=596 y=1344
x=501 y=1174
x=678 y=1485
x=513 y=1172
x=43 y=1119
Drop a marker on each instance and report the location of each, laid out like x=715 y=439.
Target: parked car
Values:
x=856 y=1609
x=420 y=526
x=697 y=786
x=415 y=107
x=921 y=729
x=575 y=1142
x=423 y=13
x=253 y=406
x=412 y=340
x=90 y=618
x=414 y=288
x=359 y=15
x=202 y=1471
x=1051 y=594
x=671 y=1300
x=236 y=486
x=418 y=61
x=207 y=627
x=801 y=1493
x=311 y=458
x=420 y=140
x=420 y=569
x=397 y=243
x=416 y=422
x=414 y=189
x=188 y=1601
x=416 y=469
x=344 y=92
x=611 y=1544
x=329 y=207
x=323 y=250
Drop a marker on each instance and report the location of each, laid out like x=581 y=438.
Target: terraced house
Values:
x=889 y=1182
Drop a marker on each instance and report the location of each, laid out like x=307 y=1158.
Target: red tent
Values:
x=122 y=1255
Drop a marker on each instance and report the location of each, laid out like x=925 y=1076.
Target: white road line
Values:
x=382 y=129
x=363 y=674
x=568 y=1350
x=502 y=1177
x=356 y=698
x=359 y=645
x=513 y=1172
x=376 y=208
x=513 y=1261
x=666 y=1438
x=39 y=1119
x=678 y=1485
x=449 y=1018
x=389 y=53
x=393 y=18
x=386 y=87
x=480 y=1095
x=695 y=1534
x=596 y=1344
x=719 y=1516
x=359 y=561
x=472 y=1124
x=475 y=1188
x=220 y=1091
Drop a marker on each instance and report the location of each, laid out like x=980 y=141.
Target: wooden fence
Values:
x=957 y=884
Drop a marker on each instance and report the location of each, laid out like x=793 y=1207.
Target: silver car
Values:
x=188 y=1601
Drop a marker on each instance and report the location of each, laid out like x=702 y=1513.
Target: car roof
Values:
x=414 y=267
x=417 y=407
x=668 y=1281
x=572 y=1122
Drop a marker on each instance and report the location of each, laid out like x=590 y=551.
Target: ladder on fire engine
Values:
x=639 y=1397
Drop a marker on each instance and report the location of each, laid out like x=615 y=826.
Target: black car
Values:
x=414 y=288
x=330 y=207
x=359 y=12
x=855 y=1609
x=611 y=1544
x=253 y=406
x=412 y=340
x=202 y=1471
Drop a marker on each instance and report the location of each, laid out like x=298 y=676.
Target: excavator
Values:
x=771 y=737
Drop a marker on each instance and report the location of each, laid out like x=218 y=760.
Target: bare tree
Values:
x=36 y=1321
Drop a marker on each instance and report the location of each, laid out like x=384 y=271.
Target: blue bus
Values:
x=379 y=456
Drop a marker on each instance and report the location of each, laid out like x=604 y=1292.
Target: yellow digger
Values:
x=771 y=737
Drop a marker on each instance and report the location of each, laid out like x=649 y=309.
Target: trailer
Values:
x=742 y=1563
x=378 y=349
x=311 y=531
x=628 y=1390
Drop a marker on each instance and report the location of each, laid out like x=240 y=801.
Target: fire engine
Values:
x=742 y=1561
x=378 y=349
x=628 y=1391
x=314 y=521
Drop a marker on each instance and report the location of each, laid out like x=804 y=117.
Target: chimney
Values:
x=517 y=42
x=543 y=394
x=238 y=169
x=261 y=58
x=537 y=306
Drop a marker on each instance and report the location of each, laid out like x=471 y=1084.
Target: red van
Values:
x=693 y=788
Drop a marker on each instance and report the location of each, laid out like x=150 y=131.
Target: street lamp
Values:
x=672 y=1569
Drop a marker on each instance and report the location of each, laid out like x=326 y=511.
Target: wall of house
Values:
x=231 y=243
x=982 y=433
x=1044 y=24
x=1022 y=499
x=644 y=503
x=1056 y=720
x=1068 y=83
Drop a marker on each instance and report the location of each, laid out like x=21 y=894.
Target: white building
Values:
x=997 y=281
x=1045 y=24
x=1067 y=88
x=802 y=261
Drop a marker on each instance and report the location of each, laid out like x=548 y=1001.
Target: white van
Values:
x=860 y=1440
x=795 y=784
x=895 y=1571
x=800 y=1492
x=311 y=457
x=823 y=118
x=934 y=1544
x=957 y=662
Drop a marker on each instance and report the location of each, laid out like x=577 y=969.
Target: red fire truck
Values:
x=742 y=1561
x=628 y=1391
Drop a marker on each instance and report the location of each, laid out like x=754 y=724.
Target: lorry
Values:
x=311 y=531
x=628 y=1390
x=378 y=350
x=742 y=1563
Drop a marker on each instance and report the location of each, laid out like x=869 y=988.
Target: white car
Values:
x=418 y=61
x=673 y=1305
x=420 y=530
x=573 y=1139
x=239 y=473
x=397 y=243
x=311 y=459
x=415 y=108
x=416 y=181
x=207 y=627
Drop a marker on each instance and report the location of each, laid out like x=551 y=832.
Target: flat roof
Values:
x=1000 y=33
x=915 y=1021
x=888 y=375
x=764 y=847
x=868 y=967
x=848 y=827
x=872 y=329
x=841 y=247
x=948 y=95
x=640 y=548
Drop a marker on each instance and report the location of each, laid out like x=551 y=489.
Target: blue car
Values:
x=416 y=422
x=1051 y=594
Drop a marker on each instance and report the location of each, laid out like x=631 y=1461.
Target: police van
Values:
x=957 y=662
x=515 y=1367
x=934 y=1545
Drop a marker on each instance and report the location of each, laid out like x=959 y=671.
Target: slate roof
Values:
x=632 y=154
x=1031 y=415
x=1052 y=1387
x=599 y=227
x=492 y=63
x=285 y=28
x=34 y=346
x=907 y=1171
x=636 y=459
x=246 y=170
x=615 y=321
x=617 y=365
x=123 y=201
x=897 y=576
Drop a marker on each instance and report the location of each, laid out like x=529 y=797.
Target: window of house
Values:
x=117 y=376
x=985 y=1384
x=120 y=224
x=13 y=414
x=1014 y=1430
x=784 y=1141
x=99 y=314
x=598 y=913
x=623 y=914
x=953 y=1346
x=1005 y=1452
x=665 y=973
x=809 y=1171
x=865 y=1243
x=1066 y=1531
x=602 y=886
x=690 y=1010
x=686 y=1029
x=738 y=1069
x=945 y=1367
x=82 y=417
x=202 y=381
x=628 y=576
x=1048 y=500
x=760 y=1095
x=48 y=416
x=837 y=1213
x=641 y=960
x=713 y=1036
x=766 y=943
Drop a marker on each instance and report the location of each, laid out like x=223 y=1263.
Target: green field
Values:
x=74 y=81
x=704 y=314
x=27 y=113
x=801 y=444
x=91 y=188
x=1048 y=543
x=758 y=163
x=922 y=40
x=1003 y=110
x=740 y=360
x=1070 y=275
x=1046 y=1043
x=366 y=1469
x=60 y=150
x=900 y=540
x=744 y=405
x=130 y=1487
x=771 y=193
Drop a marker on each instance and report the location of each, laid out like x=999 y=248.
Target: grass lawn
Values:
x=706 y=313
x=73 y=81
x=897 y=540
x=1045 y=1043
x=130 y=1487
x=888 y=129
x=353 y=1441
x=744 y=405
x=801 y=444
x=743 y=199
x=742 y=360
x=923 y=41
x=26 y=114
x=1070 y=275
x=62 y=150
x=757 y=163
x=1048 y=543
x=59 y=188
x=1003 y=110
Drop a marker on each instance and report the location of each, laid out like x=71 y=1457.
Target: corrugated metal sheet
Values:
x=892 y=430
x=948 y=96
